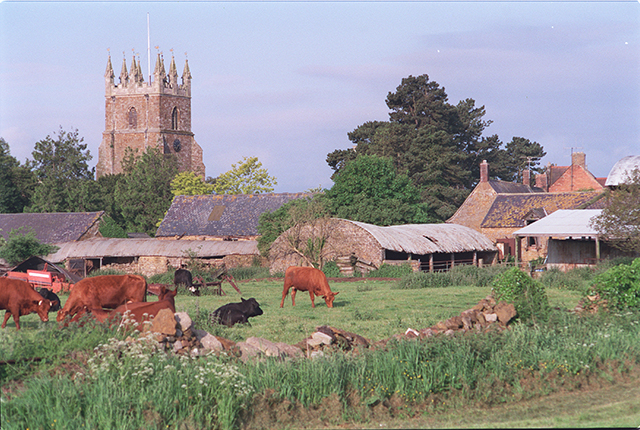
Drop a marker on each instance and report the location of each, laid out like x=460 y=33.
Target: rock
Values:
x=211 y=343
x=329 y=331
x=441 y=326
x=164 y=323
x=323 y=338
x=177 y=346
x=267 y=347
x=491 y=317
x=227 y=344
x=454 y=323
x=247 y=351
x=289 y=350
x=184 y=320
x=467 y=324
x=427 y=332
x=505 y=312
x=411 y=333
x=316 y=354
x=314 y=342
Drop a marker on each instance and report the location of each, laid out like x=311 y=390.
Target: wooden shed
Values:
x=352 y=244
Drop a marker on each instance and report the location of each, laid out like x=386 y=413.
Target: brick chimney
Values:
x=541 y=181
x=579 y=159
x=526 y=177
x=484 y=171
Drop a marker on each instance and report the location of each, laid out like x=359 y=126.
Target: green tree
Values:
x=368 y=189
x=619 y=221
x=190 y=184
x=22 y=244
x=65 y=182
x=439 y=146
x=17 y=182
x=144 y=194
x=247 y=177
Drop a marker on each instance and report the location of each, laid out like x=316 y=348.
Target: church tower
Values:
x=139 y=115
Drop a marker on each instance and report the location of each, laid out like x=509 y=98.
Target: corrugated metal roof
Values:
x=101 y=247
x=425 y=239
x=622 y=169
x=51 y=227
x=563 y=223
x=220 y=215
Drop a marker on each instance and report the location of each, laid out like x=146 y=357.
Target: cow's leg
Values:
x=284 y=294
x=6 y=318
x=293 y=296
x=313 y=305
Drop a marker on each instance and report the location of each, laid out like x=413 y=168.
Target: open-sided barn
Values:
x=428 y=247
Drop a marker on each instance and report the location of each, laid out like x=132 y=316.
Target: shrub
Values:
x=390 y=271
x=619 y=286
x=331 y=269
x=527 y=295
x=23 y=244
x=572 y=280
x=110 y=228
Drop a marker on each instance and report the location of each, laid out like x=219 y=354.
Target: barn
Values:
x=365 y=247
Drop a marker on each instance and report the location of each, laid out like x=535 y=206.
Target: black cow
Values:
x=233 y=313
x=184 y=277
x=52 y=297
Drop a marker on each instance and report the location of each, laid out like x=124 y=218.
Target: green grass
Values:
x=433 y=383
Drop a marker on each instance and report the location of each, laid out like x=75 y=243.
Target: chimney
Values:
x=526 y=177
x=484 y=171
x=541 y=181
x=579 y=159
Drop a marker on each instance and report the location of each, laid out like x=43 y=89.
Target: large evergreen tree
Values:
x=439 y=146
x=17 y=182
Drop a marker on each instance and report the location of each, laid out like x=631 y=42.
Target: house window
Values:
x=174 y=119
x=133 y=118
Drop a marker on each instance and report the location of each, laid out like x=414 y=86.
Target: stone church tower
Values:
x=139 y=115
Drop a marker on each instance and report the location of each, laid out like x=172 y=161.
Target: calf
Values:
x=184 y=277
x=307 y=279
x=52 y=297
x=107 y=291
x=19 y=298
x=233 y=313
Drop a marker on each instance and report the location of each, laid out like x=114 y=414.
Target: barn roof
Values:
x=51 y=227
x=510 y=210
x=563 y=223
x=622 y=169
x=102 y=247
x=423 y=239
x=220 y=215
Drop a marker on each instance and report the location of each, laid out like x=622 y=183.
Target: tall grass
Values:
x=459 y=275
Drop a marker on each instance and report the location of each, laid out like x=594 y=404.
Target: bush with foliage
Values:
x=331 y=269
x=619 y=286
x=110 y=228
x=23 y=244
x=390 y=271
x=527 y=295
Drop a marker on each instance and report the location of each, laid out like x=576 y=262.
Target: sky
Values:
x=286 y=81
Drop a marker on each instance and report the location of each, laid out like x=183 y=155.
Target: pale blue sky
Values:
x=286 y=81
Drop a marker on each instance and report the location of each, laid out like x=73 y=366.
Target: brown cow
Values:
x=19 y=298
x=107 y=291
x=307 y=279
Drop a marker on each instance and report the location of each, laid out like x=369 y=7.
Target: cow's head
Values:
x=252 y=307
x=42 y=308
x=328 y=298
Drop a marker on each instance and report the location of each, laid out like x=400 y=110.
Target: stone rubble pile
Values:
x=177 y=333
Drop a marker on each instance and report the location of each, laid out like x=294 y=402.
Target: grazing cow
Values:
x=233 y=313
x=184 y=277
x=19 y=298
x=307 y=279
x=52 y=297
x=107 y=291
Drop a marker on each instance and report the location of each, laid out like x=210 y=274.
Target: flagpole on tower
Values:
x=148 y=51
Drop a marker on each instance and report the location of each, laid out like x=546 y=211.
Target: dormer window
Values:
x=174 y=119
x=133 y=118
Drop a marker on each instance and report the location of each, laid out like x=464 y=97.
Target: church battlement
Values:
x=140 y=114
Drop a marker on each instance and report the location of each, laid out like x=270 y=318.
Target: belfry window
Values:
x=133 y=118
x=174 y=119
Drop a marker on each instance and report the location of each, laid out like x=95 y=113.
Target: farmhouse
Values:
x=364 y=247
x=498 y=208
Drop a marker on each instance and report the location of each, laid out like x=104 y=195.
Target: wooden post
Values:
x=430 y=262
x=453 y=260
x=517 y=248
x=475 y=258
x=597 y=249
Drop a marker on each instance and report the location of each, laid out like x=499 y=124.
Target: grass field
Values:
x=578 y=372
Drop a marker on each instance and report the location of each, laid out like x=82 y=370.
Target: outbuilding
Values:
x=364 y=247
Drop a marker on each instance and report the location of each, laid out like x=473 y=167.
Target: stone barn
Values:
x=365 y=247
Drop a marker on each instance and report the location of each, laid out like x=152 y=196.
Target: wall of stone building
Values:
x=475 y=207
x=527 y=252
x=342 y=239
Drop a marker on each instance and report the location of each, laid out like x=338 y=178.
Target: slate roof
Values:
x=51 y=227
x=509 y=210
x=220 y=215
x=503 y=187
